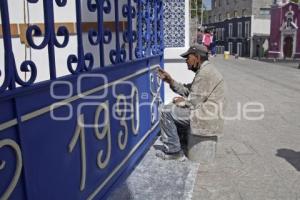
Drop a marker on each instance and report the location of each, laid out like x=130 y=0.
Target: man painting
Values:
x=198 y=109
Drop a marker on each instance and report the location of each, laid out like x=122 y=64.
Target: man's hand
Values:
x=165 y=76
x=178 y=101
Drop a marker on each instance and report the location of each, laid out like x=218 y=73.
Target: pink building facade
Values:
x=285 y=31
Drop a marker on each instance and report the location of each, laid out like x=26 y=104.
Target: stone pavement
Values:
x=156 y=179
x=256 y=160
x=284 y=63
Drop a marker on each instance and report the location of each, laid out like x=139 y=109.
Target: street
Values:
x=256 y=159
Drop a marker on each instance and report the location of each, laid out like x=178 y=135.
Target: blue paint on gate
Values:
x=45 y=152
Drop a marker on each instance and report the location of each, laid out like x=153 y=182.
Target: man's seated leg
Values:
x=171 y=117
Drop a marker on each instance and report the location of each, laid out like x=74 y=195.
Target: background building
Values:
x=241 y=26
x=285 y=22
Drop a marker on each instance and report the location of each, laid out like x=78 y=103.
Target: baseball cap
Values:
x=196 y=49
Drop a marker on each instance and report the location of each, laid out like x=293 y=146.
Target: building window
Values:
x=230 y=30
x=244 y=12
x=235 y=13
x=264 y=11
x=216 y=19
x=227 y=2
x=222 y=34
x=228 y=15
x=247 y=29
x=230 y=47
x=220 y=3
x=240 y=29
x=217 y=49
x=220 y=17
x=239 y=48
x=209 y=19
x=220 y=49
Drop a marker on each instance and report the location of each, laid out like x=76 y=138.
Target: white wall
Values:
x=178 y=68
x=260 y=26
x=180 y=73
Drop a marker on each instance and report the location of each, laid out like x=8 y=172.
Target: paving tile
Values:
x=156 y=179
x=214 y=186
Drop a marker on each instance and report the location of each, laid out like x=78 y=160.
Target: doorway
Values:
x=239 y=49
x=288 y=47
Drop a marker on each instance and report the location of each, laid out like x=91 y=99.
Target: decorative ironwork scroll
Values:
x=143 y=35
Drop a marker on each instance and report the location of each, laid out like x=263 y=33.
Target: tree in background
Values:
x=296 y=1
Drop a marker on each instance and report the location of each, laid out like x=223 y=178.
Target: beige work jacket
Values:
x=205 y=97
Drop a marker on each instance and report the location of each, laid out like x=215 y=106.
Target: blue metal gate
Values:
x=78 y=136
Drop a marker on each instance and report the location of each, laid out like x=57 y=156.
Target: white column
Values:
x=251 y=36
x=294 y=44
x=187 y=23
x=281 y=46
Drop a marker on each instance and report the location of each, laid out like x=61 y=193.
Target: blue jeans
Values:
x=174 y=121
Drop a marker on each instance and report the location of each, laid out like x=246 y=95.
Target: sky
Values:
x=207 y=3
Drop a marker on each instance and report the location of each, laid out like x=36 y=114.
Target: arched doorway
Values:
x=288 y=47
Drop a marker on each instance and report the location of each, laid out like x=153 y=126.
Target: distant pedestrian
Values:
x=207 y=39
x=213 y=46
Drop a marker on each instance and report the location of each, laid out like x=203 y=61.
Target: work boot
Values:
x=171 y=156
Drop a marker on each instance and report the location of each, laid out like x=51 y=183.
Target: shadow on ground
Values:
x=291 y=156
